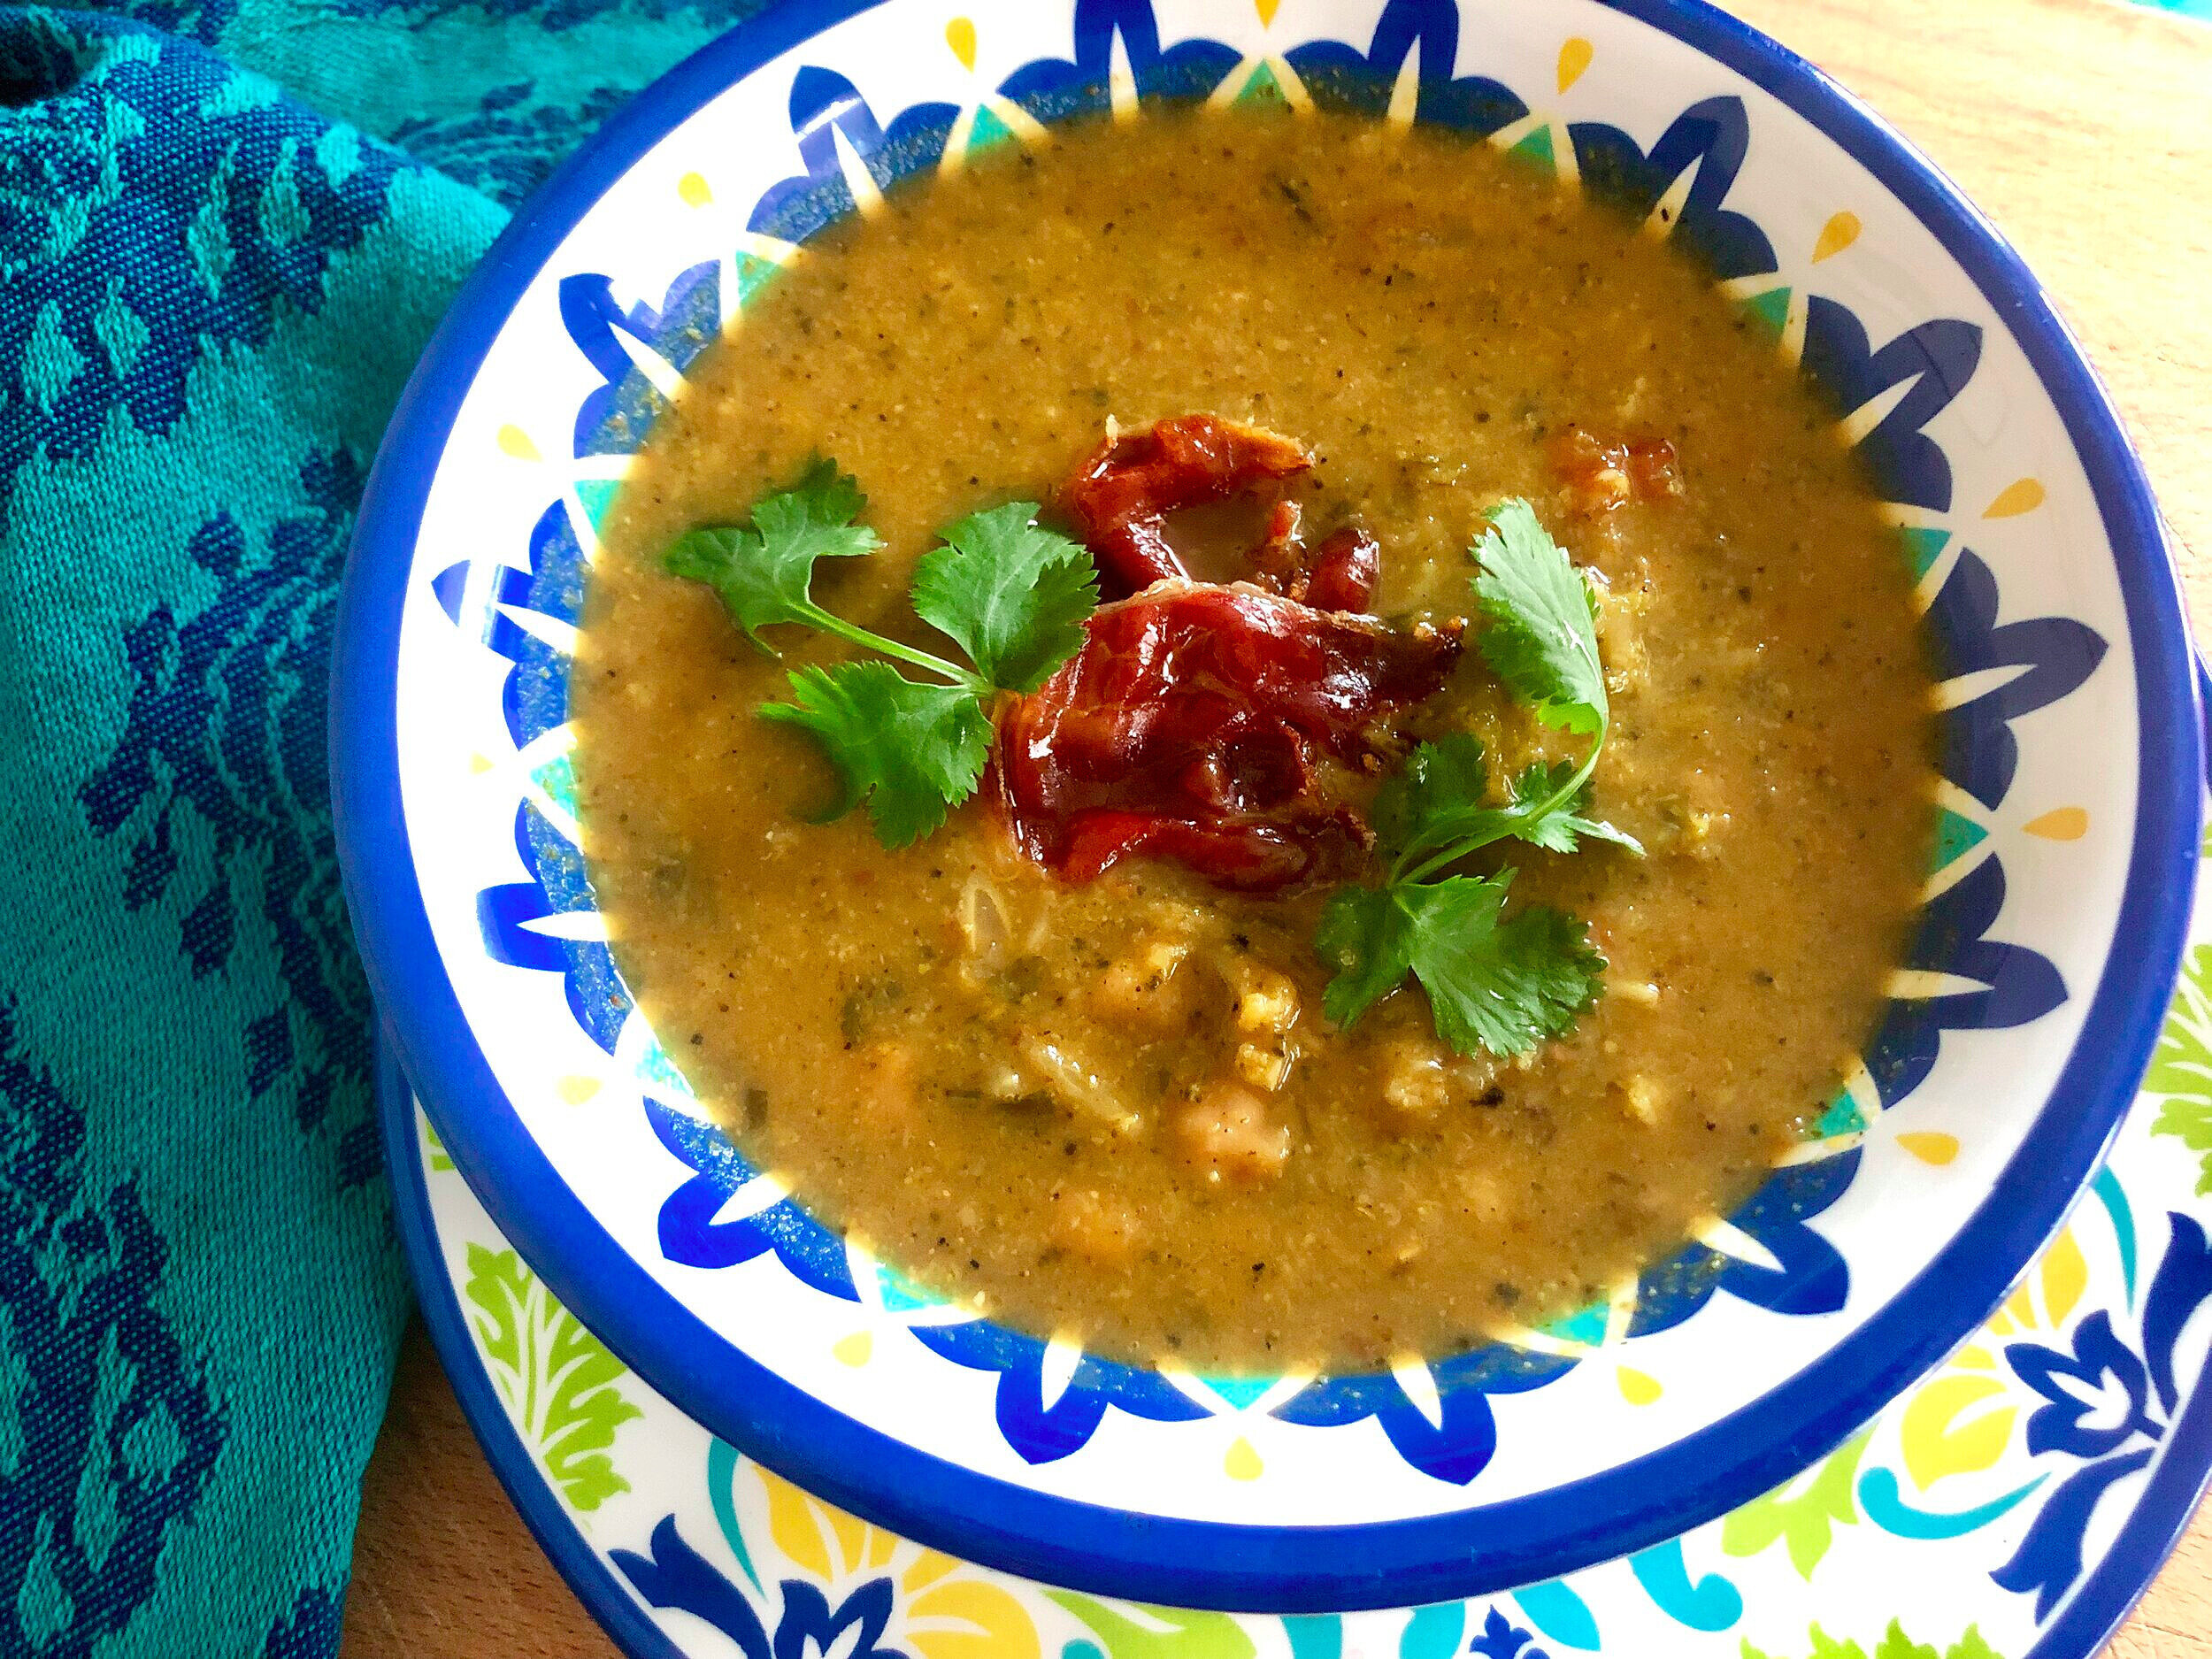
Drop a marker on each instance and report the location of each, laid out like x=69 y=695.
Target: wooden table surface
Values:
x=2084 y=128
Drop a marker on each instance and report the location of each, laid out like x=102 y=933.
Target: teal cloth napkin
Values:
x=226 y=229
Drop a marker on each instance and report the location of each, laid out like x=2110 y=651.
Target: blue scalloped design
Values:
x=1343 y=78
x=614 y=418
x=1713 y=137
x=1811 y=1278
x=824 y=105
x=1056 y=88
x=1044 y=1432
x=2022 y=984
x=557 y=886
x=1937 y=357
x=690 y=1232
x=2053 y=655
x=534 y=697
x=1456 y=1445
x=1934 y=361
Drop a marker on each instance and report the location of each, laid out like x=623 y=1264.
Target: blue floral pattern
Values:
x=2104 y=1406
x=1713 y=137
x=2108 y=1406
x=2054 y=657
x=675 y=1575
x=2109 y=1393
x=1502 y=1639
x=1055 y=88
x=1041 y=1430
x=105 y=1396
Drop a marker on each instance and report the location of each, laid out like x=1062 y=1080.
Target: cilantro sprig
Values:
x=1012 y=595
x=1494 y=982
x=1013 y=598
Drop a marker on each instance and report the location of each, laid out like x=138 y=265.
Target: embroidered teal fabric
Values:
x=226 y=229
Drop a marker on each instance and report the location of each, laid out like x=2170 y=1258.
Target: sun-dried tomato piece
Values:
x=1606 y=474
x=1340 y=574
x=1123 y=491
x=1345 y=569
x=1251 y=856
x=1190 y=724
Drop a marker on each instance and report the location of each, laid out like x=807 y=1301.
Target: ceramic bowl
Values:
x=2054 y=914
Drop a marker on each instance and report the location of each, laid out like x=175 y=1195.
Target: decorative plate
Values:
x=2012 y=1504
x=2012 y=1046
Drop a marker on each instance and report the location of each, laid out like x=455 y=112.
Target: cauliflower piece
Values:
x=1226 y=1132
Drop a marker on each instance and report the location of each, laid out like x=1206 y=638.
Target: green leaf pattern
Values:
x=2181 y=1066
x=1158 y=1632
x=1894 y=1645
x=1803 y=1513
x=557 y=1380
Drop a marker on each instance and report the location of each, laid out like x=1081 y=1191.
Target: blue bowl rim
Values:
x=1208 y=1565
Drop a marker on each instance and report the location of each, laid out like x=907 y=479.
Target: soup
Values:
x=1114 y=1107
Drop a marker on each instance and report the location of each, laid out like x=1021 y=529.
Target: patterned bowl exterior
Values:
x=2054 y=912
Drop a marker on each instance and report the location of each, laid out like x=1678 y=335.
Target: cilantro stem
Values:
x=852 y=631
x=1457 y=850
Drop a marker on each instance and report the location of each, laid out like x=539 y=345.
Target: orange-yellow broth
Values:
x=1045 y=1097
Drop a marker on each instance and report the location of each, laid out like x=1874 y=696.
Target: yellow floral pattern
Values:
x=1960 y=1421
x=946 y=1608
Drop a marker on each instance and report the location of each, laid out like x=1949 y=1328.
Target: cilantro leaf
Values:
x=1435 y=799
x=765 y=572
x=1363 y=936
x=1542 y=639
x=913 y=751
x=1503 y=986
x=1547 y=811
x=1434 y=805
x=1493 y=982
x=1013 y=595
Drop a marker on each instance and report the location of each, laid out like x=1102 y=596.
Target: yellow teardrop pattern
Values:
x=1574 y=58
x=1243 y=1462
x=856 y=1349
x=1639 y=1388
x=1267 y=9
x=694 y=191
x=2023 y=495
x=1931 y=1146
x=2064 y=1276
x=515 y=442
x=2060 y=823
x=1840 y=231
x=960 y=36
x=576 y=1088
